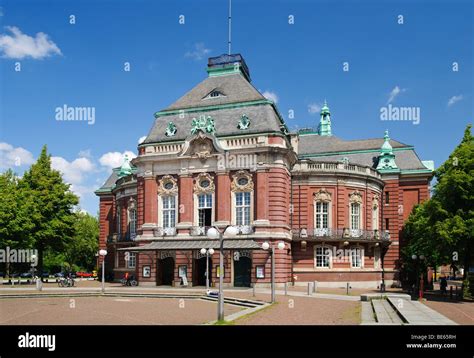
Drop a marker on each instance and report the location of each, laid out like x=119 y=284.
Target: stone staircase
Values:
x=398 y=310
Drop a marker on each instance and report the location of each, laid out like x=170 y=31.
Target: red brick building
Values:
x=222 y=156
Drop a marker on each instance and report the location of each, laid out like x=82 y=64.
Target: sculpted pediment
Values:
x=201 y=145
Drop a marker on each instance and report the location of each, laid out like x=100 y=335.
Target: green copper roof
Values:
x=386 y=147
x=126 y=168
x=324 y=128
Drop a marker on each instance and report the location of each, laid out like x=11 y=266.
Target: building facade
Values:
x=222 y=156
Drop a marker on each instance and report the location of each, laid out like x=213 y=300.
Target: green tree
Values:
x=442 y=228
x=53 y=217
x=15 y=209
x=83 y=246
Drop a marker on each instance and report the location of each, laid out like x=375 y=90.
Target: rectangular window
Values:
x=133 y=221
x=205 y=209
x=119 y=222
x=242 y=208
x=169 y=211
x=355 y=216
x=387 y=223
x=356 y=258
x=387 y=197
x=132 y=260
x=322 y=256
x=322 y=215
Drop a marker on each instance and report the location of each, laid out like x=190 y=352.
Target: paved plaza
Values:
x=84 y=304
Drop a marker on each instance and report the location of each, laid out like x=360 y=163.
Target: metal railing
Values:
x=164 y=231
x=341 y=234
x=202 y=230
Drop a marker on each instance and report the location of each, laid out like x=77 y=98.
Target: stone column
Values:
x=223 y=200
x=150 y=205
x=186 y=204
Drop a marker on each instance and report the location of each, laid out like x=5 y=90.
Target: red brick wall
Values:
x=106 y=219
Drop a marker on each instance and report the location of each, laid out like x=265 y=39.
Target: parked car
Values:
x=1 y=274
x=59 y=274
x=83 y=274
x=26 y=275
x=45 y=274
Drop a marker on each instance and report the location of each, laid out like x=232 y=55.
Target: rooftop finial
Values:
x=230 y=28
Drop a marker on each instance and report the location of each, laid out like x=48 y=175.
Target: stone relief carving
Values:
x=242 y=181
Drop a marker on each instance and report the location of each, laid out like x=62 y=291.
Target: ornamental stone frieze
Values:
x=323 y=195
x=167 y=185
x=204 y=184
x=132 y=203
x=355 y=197
x=242 y=181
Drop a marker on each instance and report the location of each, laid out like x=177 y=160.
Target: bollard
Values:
x=347 y=288
x=451 y=292
x=253 y=290
x=310 y=288
x=39 y=284
x=315 y=286
x=286 y=288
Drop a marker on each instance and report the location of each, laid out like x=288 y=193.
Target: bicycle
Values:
x=66 y=282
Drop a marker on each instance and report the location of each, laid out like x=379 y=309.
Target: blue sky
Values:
x=82 y=64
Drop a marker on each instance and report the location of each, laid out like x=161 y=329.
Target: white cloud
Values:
x=19 y=45
x=14 y=157
x=394 y=93
x=73 y=172
x=455 y=99
x=272 y=96
x=112 y=160
x=141 y=139
x=314 y=108
x=200 y=51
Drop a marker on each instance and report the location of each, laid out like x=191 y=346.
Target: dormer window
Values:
x=214 y=94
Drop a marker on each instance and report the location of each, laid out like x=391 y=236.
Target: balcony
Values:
x=164 y=231
x=336 y=167
x=202 y=230
x=113 y=238
x=341 y=234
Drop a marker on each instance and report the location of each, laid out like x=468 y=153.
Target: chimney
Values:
x=227 y=64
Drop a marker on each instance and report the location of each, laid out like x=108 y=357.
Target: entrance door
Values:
x=199 y=277
x=167 y=271
x=242 y=272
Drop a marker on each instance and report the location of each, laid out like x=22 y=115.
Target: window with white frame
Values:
x=242 y=208
x=132 y=260
x=355 y=216
x=322 y=256
x=132 y=221
x=356 y=257
x=205 y=210
x=322 y=215
x=169 y=211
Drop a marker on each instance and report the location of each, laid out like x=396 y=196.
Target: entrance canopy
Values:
x=229 y=244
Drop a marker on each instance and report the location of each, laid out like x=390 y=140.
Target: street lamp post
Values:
x=207 y=253
x=103 y=253
x=213 y=233
x=266 y=246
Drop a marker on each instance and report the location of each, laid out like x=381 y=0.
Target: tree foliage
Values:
x=442 y=228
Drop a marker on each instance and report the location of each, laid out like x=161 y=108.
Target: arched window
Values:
x=322 y=257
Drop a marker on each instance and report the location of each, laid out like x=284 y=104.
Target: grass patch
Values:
x=224 y=323
x=255 y=312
